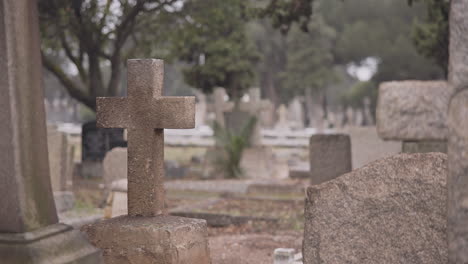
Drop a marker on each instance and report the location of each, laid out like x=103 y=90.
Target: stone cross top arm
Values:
x=145 y=113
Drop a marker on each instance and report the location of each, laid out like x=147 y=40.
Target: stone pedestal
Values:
x=151 y=240
x=424 y=146
x=53 y=244
x=330 y=157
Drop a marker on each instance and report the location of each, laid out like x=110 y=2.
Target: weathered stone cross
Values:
x=220 y=105
x=145 y=113
x=254 y=107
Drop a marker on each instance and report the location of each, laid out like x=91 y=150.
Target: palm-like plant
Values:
x=232 y=145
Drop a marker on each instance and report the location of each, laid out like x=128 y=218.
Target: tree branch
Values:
x=75 y=60
x=71 y=87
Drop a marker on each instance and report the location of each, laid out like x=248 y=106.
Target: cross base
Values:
x=144 y=240
x=57 y=243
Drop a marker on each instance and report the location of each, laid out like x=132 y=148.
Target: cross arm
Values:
x=174 y=112
x=112 y=112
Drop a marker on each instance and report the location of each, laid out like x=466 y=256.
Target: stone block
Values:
x=64 y=201
x=330 y=157
x=155 y=240
x=367 y=146
x=57 y=244
x=391 y=211
x=425 y=146
x=115 y=166
x=413 y=110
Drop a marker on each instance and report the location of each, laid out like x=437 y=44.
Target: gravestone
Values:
x=414 y=112
x=391 y=211
x=61 y=168
x=221 y=105
x=282 y=123
x=115 y=166
x=29 y=228
x=267 y=114
x=96 y=142
x=254 y=107
x=458 y=134
x=330 y=157
x=296 y=114
x=148 y=234
x=367 y=146
x=201 y=110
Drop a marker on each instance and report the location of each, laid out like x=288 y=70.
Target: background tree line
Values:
x=287 y=47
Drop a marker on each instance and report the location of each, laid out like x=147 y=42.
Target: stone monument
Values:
x=457 y=180
x=29 y=228
x=148 y=234
x=221 y=105
x=390 y=211
x=414 y=112
x=330 y=157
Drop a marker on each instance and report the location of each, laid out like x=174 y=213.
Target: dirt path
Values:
x=251 y=248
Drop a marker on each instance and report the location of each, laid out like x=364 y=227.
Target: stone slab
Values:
x=458 y=178
x=391 y=211
x=330 y=157
x=425 y=146
x=57 y=244
x=64 y=201
x=151 y=240
x=413 y=110
x=367 y=146
x=115 y=166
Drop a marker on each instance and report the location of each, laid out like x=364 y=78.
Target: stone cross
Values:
x=145 y=113
x=221 y=105
x=254 y=106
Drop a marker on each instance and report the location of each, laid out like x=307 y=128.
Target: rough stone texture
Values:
x=57 y=146
x=424 y=146
x=145 y=113
x=458 y=178
x=367 y=146
x=27 y=203
x=457 y=182
x=57 y=244
x=413 y=110
x=458 y=63
x=115 y=166
x=155 y=240
x=390 y=211
x=64 y=201
x=330 y=157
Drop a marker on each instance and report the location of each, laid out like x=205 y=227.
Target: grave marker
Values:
x=29 y=228
x=145 y=113
x=414 y=112
x=457 y=181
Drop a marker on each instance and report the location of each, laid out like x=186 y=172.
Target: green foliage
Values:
x=94 y=39
x=354 y=97
x=382 y=30
x=284 y=13
x=431 y=37
x=232 y=146
x=211 y=39
x=310 y=58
